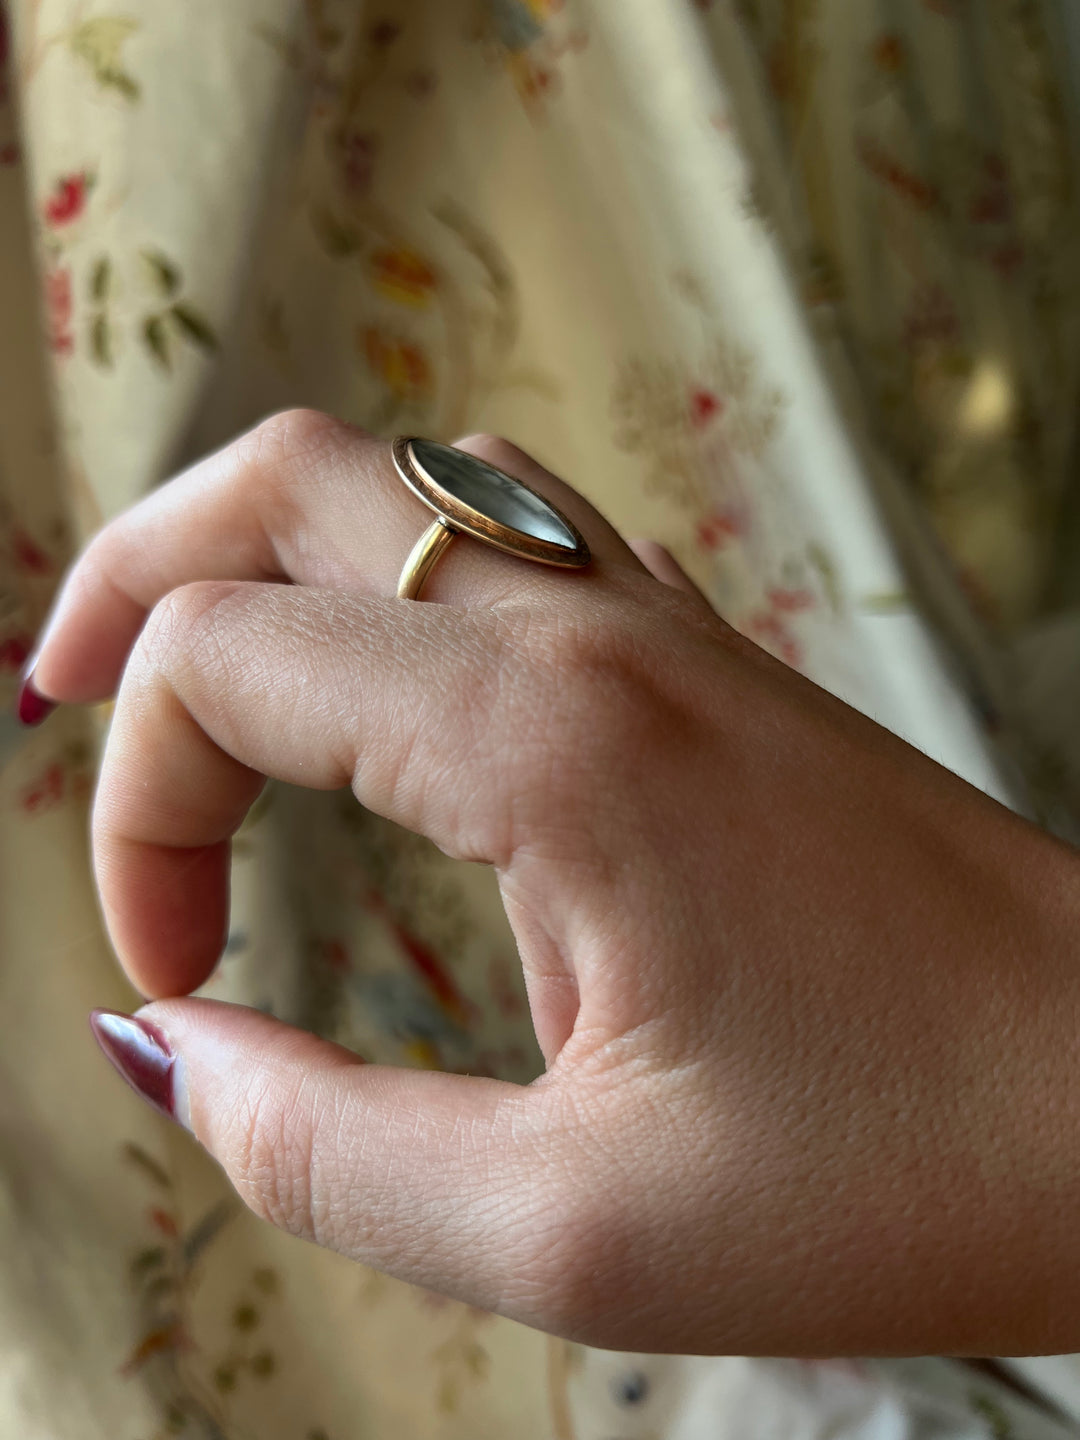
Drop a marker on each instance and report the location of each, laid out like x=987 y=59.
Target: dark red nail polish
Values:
x=141 y=1054
x=31 y=707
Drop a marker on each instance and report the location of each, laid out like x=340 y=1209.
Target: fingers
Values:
x=302 y=498
x=663 y=566
x=233 y=681
x=448 y=1182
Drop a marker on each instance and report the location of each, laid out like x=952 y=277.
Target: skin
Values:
x=809 y=1003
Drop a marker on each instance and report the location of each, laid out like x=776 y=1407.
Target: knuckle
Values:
x=594 y=670
x=172 y=623
x=287 y=435
x=177 y=633
x=278 y=467
x=585 y=712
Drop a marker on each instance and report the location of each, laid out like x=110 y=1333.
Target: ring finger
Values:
x=305 y=499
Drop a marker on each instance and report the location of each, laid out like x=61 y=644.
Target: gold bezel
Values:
x=481 y=527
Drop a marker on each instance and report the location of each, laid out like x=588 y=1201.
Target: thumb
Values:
x=446 y=1181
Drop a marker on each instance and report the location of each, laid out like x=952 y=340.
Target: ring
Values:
x=471 y=497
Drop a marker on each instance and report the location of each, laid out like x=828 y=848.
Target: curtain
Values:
x=788 y=285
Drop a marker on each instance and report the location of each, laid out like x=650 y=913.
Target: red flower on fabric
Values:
x=903 y=181
x=58 y=303
x=68 y=199
x=383 y=33
x=29 y=556
x=335 y=954
x=1007 y=258
x=166 y=1223
x=9 y=154
x=717 y=529
x=13 y=651
x=889 y=53
x=358 y=152
x=993 y=204
x=769 y=625
x=769 y=630
x=46 y=792
x=705 y=405
x=420 y=84
x=789 y=602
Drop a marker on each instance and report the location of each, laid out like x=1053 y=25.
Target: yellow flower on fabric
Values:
x=400 y=364
x=403 y=276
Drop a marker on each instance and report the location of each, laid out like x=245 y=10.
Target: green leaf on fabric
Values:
x=337 y=239
x=159 y=1286
x=101 y=341
x=165 y=273
x=147 y=1260
x=193 y=326
x=886 y=602
x=245 y=1316
x=122 y=82
x=138 y=1156
x=99 y=42
x=822 y=562
x=156 y=338
x=1001 y=1427
x=100 y=279
x=175 y=1419
x=266 y=1280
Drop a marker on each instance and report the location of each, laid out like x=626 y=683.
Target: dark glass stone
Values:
x=491 y=493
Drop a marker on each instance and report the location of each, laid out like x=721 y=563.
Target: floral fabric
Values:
x=786 y=286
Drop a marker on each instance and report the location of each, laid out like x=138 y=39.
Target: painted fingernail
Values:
x=142 y=1055
x=30 y=706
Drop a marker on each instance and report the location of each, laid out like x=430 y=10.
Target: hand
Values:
x=809 y=1003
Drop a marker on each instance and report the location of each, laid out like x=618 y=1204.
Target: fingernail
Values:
x=30 y=706
x=142 y=1055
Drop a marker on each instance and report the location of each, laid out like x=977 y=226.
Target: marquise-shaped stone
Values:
x=493 y=494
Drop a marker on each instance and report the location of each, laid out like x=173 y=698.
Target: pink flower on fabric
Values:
x=68 y=199
x=13 y=651
x=786 y=601
x=358 y=152
x=46 y=791
x=28 y=554
x=59 y=305
x=717 y=529
x=705 y=405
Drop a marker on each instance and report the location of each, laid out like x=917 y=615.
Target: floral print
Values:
x=529 y=38
x=68 y=199
x=458 y=215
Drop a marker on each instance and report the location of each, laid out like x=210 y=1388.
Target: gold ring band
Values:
x=422 y=557
x=471 y=497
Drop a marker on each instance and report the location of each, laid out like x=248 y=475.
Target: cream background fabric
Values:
x=605 y=229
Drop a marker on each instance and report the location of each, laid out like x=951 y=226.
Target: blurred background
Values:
x=792 y=286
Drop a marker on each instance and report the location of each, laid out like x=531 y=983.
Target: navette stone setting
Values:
x=477 y=498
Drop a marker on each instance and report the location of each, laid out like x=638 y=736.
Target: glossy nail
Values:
x=142 y=1055
x=30 y=706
